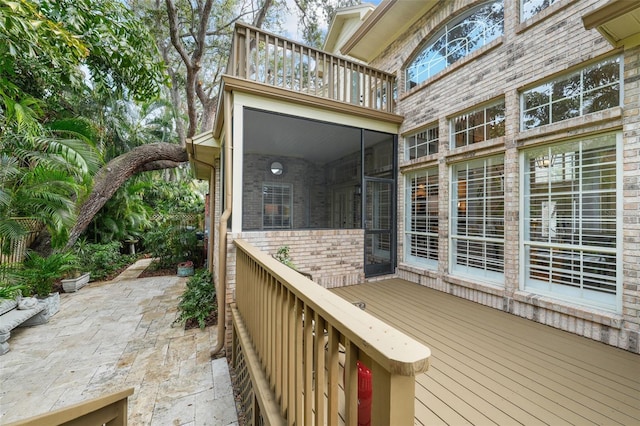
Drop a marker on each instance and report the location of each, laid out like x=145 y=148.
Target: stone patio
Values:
x=111 y=336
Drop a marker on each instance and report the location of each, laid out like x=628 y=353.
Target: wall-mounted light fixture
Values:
x=277 y=169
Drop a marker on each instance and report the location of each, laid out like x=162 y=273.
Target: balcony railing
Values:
x=300 y=345
x=267 y=58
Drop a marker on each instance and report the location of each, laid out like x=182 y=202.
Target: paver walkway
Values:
x=111 y=336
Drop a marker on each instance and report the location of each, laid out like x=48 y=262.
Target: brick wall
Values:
x=334 y=258
x=308 y=187
x=631 y=194
x=545 y=46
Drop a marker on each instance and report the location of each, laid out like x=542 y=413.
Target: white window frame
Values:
x=545 y=285
x=524 y=4
x=477 y=273
x=483 y=126
x=283 y=186
x=423 y=138
x=548 y=86
x=424 y=66
x=431 y=202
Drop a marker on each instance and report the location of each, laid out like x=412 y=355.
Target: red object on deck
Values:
x=365 y=395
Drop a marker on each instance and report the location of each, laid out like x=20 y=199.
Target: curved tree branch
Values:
x=116 y=172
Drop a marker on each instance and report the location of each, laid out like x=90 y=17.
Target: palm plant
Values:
x=125 y=216
x=44 y=170
x=40 y=273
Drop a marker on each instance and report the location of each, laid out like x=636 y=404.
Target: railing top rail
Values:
x=73 y=412
x=393 y=350
x=240 y=27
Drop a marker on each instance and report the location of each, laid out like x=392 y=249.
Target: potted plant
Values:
x=76 y=278
x=185 y=269
x=75 y=281
x=39 y=274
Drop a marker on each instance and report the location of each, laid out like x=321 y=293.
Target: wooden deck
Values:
x=490 y=367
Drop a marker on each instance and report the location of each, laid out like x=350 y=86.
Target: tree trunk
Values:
x=112 y=175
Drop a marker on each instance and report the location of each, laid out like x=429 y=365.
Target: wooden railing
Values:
x=108 y=410
x=302 y=345
x=267 y=58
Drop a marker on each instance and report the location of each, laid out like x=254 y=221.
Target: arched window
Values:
x=457 y=39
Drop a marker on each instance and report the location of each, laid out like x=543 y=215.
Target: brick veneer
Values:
x=544 y=46
x=333 y=257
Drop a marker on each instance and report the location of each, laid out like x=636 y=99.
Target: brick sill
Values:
x=599 y=316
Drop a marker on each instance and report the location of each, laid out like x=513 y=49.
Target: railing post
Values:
x=393 y=398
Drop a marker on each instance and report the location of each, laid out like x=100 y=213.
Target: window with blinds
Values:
x=276 y=206
x=477 y=220
x=421 y=223
x=570 y=220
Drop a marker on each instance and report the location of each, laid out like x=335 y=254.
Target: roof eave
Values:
x=615 y=15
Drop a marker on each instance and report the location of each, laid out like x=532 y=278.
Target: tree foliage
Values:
x=89 y=74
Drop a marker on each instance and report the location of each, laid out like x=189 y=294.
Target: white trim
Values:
x=580 y=293
x=280 y=107
x=237 y=160
x=619 y=217
x=408 y=204
x=490 y=276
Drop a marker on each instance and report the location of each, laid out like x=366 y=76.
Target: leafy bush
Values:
x=171 y=244
x=284 y=256
x=102 y=260
x=40 y=273
x=9 y=278
x=198 y=300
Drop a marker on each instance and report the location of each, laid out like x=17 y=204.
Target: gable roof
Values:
x=344 y=24
x=387 y=22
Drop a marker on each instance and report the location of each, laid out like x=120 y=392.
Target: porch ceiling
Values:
x=491 y=367
x=283 y=135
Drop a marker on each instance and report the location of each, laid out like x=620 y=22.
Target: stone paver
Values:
x=114 y=335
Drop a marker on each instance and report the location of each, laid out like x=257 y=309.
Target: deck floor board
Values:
x=488 y=366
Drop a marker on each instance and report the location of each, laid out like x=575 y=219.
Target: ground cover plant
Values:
x=198 y=306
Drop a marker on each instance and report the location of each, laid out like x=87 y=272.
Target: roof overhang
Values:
x=342 y=17
x=203 y=150
x=382 y=27
x=618 y=21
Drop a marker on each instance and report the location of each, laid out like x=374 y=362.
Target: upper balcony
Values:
x=268 y=59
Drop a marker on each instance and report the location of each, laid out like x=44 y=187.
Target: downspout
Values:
x=224 y=217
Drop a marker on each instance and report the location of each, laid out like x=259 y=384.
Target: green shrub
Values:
x=171 y=244
x=9 y=279
x=198 y=300
x=40 y=273
x=102 y=260
x=284 y=257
